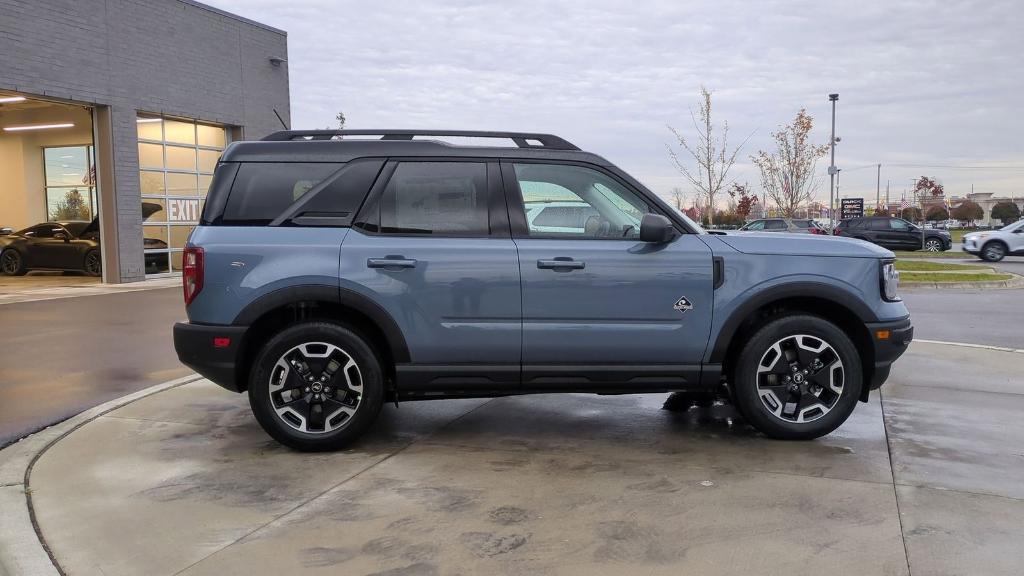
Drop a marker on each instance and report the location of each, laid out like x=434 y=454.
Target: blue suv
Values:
x=335 y=270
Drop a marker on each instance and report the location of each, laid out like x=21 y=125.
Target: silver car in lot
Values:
x=994 y=245
x=791 y=225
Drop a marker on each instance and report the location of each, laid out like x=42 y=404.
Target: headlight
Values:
x=890 y=281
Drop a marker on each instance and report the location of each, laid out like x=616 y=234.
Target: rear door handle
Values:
x=561 y=263
x=390 y=262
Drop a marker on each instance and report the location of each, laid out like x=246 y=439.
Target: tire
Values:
x=92 y=264
x=933 y=245
x=12 y=263
x=993 y=251
x=803 y=415
x=287 y=411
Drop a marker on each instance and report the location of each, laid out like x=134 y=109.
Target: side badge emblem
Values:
x=683 y=305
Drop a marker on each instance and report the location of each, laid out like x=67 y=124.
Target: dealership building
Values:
x=118 y=110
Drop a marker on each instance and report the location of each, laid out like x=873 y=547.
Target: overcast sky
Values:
x=921 y=83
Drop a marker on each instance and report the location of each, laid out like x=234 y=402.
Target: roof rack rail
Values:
x=522 y=139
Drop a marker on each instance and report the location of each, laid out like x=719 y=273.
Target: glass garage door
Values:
x=176 y=162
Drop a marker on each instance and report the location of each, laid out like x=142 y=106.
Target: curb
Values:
x=22 y=549
x=976 y=346
x=1015 y=282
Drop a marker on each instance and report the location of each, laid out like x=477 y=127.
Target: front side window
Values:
x=755 y=225
x=900 y=225
x=775 y=225
x=601 y=207
x=437 y=198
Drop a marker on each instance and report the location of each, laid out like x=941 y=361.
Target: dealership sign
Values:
x=183 y=210
x=851 y=208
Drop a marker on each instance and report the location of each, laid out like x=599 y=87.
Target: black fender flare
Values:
x=334 y=294
x=803 y=289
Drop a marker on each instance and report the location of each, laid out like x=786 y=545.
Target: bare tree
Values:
x=710 y=152
x=787 y=174
x=678 y=198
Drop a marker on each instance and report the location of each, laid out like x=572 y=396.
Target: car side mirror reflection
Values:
x=60 y=236
x=656 y=229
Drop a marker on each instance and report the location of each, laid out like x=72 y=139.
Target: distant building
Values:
x=987 y=200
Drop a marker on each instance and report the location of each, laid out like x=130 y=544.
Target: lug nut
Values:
x=306 y=389
x=794 y=368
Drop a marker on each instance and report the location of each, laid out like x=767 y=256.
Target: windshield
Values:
x=1012 y=226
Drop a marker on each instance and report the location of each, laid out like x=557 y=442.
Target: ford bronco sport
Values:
x=332 y=272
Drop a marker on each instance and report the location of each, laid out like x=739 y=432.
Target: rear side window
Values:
x=802 y=223
x=263 y=190
x=878 y=224
x=775 y=225
x=443 y=198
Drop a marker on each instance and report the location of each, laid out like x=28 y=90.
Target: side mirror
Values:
x=60 y=236
x=656 y=229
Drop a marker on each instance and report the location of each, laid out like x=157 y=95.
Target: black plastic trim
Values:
x=828 y=292
x=549 y=141
x=194 y=346
x=596 y=377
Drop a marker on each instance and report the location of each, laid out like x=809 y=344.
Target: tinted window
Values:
x=76 y=228
x=878 y=224
x=802 y=223
x=755 y=225
x=447 y=198
x=336 y=204
x=775 y=225
x=263 y=190
x=611 y=210
x=40 y=231
x=897 y=224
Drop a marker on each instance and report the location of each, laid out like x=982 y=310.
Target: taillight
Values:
x=192 y=272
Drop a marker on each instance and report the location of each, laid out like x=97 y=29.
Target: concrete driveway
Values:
x=925 y=480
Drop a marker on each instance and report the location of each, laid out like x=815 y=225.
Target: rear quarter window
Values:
x=263 y=190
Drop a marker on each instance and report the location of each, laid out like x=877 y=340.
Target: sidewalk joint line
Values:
x=895 y=492
x=331 y=488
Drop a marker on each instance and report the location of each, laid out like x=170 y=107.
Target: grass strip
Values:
x=941 y=278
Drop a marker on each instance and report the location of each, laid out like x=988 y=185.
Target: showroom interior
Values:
x=109 y=134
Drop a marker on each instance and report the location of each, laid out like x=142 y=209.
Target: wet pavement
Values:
x=61 y=356
x=923 y=480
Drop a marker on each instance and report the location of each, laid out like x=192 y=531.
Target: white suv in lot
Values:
x=994 y=245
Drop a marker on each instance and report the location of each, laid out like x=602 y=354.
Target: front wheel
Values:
x=798 y=378
x=993 y=251
x=316 y=386
x=933 y=245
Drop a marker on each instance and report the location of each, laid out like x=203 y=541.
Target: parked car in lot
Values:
x=994 y=245
x=794 y=225
x=894 y=234
x=328 y=276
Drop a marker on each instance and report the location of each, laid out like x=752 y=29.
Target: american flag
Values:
x=903 y=203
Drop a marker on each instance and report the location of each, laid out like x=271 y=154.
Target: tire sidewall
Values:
x=749 y=402
x=85 y=264
x=346 y=339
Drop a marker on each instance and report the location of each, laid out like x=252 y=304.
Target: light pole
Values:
x=832 y=170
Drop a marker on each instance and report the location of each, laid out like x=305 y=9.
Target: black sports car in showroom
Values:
x=73 y=246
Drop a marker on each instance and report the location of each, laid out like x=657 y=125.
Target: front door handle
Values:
x=391 y=262
x=561 y=263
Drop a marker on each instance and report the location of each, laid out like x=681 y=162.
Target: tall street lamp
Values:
x=832 y=169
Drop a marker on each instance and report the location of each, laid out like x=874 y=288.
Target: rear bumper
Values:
x=887 y=349
x=196 y=349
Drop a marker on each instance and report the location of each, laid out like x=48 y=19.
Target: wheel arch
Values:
x=272 y=312
x=834 y=304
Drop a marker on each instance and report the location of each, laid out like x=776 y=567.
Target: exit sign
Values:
x=183 y=210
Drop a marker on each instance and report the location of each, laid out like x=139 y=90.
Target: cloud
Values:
x=921 y=82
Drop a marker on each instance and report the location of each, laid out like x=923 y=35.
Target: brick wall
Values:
x=175 y=57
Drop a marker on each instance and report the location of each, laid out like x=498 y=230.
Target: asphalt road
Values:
x=59 y=357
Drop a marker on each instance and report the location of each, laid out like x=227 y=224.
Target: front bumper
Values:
x=212 y=351
x=971 y=246
x=890 y=340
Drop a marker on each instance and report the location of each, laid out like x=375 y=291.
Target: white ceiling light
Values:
x=144 y=120
x=37 y=127
x=7 y=99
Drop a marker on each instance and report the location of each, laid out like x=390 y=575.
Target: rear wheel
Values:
x=316 y=386
x=798 y=378
x=993 y=251
x=11 y=263
x=92 y=265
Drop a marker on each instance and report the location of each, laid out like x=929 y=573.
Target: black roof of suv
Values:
x=332 y=146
